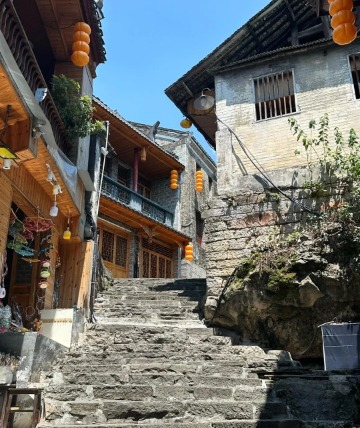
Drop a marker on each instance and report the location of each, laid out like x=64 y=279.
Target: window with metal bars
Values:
x=274 y=95
x=355 y=73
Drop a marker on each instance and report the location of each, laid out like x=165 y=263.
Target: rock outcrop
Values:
x=283 y=291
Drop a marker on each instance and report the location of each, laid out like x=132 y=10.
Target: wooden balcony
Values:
x=125 y=196
x=14 y=34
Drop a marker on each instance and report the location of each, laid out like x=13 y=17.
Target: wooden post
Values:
x=136 y=170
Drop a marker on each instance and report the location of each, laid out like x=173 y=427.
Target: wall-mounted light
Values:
x=67 y=232
x=143 y=154
x=204 y=102
x=54 y=210
x=40 y=94
x=56 y=189
x=7 y=155
x=50 y=175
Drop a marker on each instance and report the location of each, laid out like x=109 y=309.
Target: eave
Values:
x=143 y=224
x=59 y=19
x=124 y=138
x=282 y=23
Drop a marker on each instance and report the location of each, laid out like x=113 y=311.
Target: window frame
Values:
x=356 y=93
x=285 y=102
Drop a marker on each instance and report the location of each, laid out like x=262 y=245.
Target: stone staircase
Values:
x=150 y=361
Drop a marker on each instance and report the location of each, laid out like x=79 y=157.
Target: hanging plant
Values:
x=75 y=110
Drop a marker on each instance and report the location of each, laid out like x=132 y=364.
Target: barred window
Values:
x=274 y=95
x=355 y=73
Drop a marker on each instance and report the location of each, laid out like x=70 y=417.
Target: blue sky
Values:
x=151 y=43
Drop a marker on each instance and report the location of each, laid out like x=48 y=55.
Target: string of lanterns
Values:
x=342 y=21
x=174 y=179
x=189 y=252
x=80 y=47
x=199 y=181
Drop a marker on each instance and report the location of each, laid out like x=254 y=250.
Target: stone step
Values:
x=131 y=300
x=139 y=392
x=146 y=322
x=196 y=347
x=116 y=376
x=167 y=411
x=129 y=328
x=145 y=313
x=202 y=368
x=261 y=423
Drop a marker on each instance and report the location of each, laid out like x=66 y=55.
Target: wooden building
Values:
x=138 y=211
x=40 y=268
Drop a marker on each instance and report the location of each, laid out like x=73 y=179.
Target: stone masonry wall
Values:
x=243 y=210
x=246 y=217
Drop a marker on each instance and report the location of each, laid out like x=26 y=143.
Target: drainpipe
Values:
x=136 y=170
x=104 y=151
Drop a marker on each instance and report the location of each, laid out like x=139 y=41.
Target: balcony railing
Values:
x=133 y=200
x=19 y=45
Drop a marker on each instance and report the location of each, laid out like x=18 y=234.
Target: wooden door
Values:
x=23 y=282
x=157 y=260
x=114 y=247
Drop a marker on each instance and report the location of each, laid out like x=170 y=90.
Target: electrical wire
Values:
x=263 y=172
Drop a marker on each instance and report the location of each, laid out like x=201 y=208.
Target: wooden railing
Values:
x=15 y=36
x=133 y=200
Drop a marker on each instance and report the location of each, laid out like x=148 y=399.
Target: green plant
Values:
x=75 y=110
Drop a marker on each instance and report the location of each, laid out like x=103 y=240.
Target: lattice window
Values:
x=168 y=269
x=157 y=248
x=162 y=273
x=107 y=247
x=146 y=264
x=144 y=190
x=153 y=266
x=355 y=73
x=121 y=251
x=274 y=95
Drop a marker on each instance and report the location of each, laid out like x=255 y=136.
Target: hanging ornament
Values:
x=199 y=181
x=80 y=47
x=189 y=252
x=343 y=21
x=174 y=176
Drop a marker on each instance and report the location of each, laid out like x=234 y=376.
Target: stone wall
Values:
x=238 y=222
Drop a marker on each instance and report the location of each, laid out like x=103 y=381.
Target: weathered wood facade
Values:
x=138 y=237
x=36 y=43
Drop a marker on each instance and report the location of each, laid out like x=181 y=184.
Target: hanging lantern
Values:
x=189 y=252
x=81 y=36
x=82 y=26
x=143 y=154
x=186 y=123
x=199 y=181
x=343 y=21
x=80 y=47
x=79 y=58
x=174 y=177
